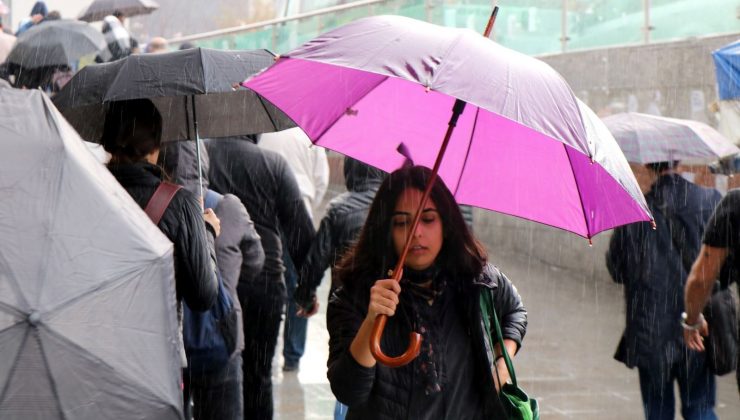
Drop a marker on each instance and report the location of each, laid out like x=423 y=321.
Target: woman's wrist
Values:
x=687 y=323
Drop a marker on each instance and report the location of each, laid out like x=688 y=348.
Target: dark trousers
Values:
x=695 y=383
x=262 y=308
x=294 y=330
x=216 y=395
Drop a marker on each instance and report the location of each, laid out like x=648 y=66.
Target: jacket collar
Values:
x=139 y=173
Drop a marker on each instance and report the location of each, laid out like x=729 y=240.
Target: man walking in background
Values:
x=653 y=264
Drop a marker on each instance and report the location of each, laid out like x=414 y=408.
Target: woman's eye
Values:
x=399 y=223
x=428 y=220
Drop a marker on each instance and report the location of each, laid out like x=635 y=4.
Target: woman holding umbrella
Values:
x=459 y=371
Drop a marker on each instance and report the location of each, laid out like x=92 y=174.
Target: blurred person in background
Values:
x=311 y=170
x=651 y=264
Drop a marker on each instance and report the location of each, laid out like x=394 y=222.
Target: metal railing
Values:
x=531 y=26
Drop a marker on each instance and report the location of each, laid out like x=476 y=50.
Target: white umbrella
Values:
x=648 y=139
x=88 y=326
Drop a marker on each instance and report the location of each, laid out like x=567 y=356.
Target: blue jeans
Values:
x=340 y=411
x=696 y=386
x=294 y=332
x=216 y=395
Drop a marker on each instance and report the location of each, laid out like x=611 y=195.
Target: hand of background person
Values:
x=309 y=310
x=211 y=218
x=37 y=18
x=695 y=338
x=383 y=298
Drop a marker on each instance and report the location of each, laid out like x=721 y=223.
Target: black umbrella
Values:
x=55 y=43
x=102 y=8
x=195 y=90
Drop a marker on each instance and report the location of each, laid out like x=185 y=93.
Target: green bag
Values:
x=516 y=402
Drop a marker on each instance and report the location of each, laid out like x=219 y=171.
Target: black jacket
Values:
x=264 y=183
x=182 y=223
x=381 y=392
x=339 y=228
x=650 y=266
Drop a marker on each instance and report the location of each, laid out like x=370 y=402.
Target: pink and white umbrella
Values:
x=523 y=146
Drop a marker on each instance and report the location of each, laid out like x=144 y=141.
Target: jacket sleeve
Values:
x=317 y=261
x=249 y=241
x=195 y=256
x=350 y=382
x=320 y=174
x=617 y=255
x=295 y=222
x=510 y=310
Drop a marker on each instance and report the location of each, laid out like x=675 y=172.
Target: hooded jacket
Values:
x=384 y=393
x=238 y=247
x=340 y=227
x=182 y=223
x=649 y=264
x=264 y=183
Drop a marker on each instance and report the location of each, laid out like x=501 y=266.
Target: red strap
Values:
x=160 y=200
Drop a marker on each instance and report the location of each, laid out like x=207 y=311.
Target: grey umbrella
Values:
x=196 y=91
x=88 y=326
x=102 y=8
x=55 y=43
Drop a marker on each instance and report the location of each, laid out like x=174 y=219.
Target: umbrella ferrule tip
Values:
x=34 y=318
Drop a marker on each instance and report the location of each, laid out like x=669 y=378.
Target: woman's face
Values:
x=428 y=238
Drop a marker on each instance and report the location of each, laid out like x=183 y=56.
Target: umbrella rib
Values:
x=264 y=106
x=580 y=196
x=51 y=376
x=467 y=152
x=10 y=310
x=14 y=366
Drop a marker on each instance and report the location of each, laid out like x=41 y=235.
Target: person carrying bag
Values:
x=517 y=404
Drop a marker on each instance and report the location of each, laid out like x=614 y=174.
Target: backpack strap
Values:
x=160 y=200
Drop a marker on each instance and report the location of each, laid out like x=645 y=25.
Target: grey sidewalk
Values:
x=566 y=361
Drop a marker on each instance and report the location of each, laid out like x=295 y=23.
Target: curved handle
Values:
x=410 y=354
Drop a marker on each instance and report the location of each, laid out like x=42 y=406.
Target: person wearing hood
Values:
x=338 y=230
x=267 y=187
x=119 y=41
x=218 y=395
x=38 y=13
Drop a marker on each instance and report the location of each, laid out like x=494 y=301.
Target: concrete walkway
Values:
x=566 y=361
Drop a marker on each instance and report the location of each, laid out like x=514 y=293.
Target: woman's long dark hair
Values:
x=373 y=255
x=119 y=132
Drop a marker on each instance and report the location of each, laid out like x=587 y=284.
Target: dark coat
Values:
x=650 y=266
x=381 y=392
x=264 y=183
x=182 y=223
x=339 y=228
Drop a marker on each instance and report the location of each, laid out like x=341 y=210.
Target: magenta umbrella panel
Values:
x=524 y=145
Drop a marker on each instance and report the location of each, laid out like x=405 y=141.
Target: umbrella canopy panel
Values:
x=56 y=43
x=88 y=325
x=99 y=9
x=200 y=82
x=727 y=63
x=524 y=145
x=648 y=139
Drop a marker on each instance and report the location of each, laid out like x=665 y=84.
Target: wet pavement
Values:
x=566 y=362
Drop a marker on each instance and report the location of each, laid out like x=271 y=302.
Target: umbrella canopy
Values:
x=6 y=44
x=102 y=8
x=524 y=144
x=56 y=43
x=727 y=63
x=88 y=326
x=196 y=84
x=648 y=139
